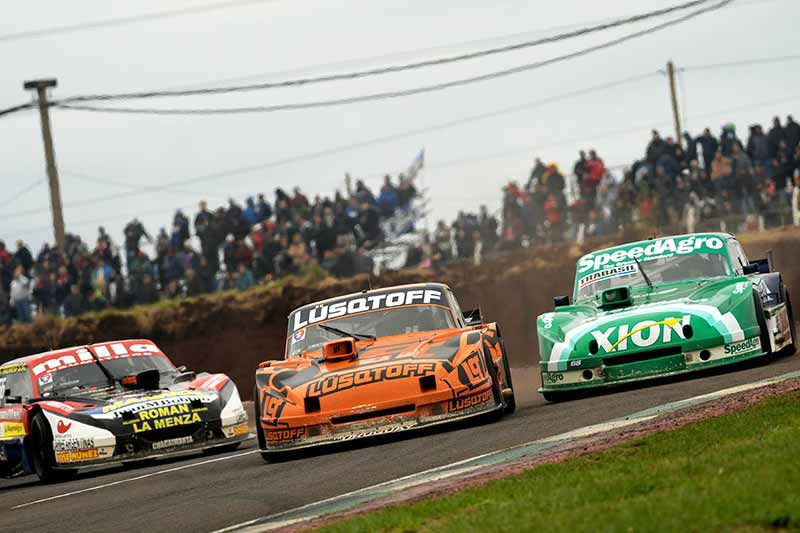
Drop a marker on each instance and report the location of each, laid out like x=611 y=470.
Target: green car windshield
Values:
x=668 y=269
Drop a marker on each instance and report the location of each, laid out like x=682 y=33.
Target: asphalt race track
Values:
x=204 y=493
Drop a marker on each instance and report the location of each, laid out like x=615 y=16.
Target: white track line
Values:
x=137 y=478
x=338 y=503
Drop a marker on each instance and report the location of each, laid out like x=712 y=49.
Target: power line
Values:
x=391 y=68
x=101 y=220
x=746 y=62
x=712 y=66
x=30 y=187
x=93 y=179
x=406 y=92
x=416 y=51
x=365 y=143
x=342 y=148
x=513 y=151
x=122 y=21
x=606 y=134
x=14 y=109
x=387 y=56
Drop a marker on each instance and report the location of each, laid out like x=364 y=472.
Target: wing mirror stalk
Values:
x=473 y=317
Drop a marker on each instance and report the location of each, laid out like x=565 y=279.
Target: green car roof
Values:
x=609 y=262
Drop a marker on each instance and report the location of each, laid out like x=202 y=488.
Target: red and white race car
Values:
x=109 y=402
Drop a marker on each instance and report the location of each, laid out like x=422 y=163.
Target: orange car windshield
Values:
x=378 y=323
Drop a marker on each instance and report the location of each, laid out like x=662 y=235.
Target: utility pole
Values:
x=41 y=87
x=675 y=114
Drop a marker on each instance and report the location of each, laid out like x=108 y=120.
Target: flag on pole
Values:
x=416 y=165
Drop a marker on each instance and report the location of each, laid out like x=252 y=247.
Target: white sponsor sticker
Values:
x=71 y=444
x=373 y=432
x=613 y=272
x=742 y=347
x=169 y=443
x=307 y=316
x=666 y=247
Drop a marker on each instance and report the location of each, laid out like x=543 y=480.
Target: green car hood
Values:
x=717 y=311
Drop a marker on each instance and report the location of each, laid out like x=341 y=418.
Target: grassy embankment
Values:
x=737 y=472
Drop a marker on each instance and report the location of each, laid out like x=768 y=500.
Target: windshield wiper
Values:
x=61 y=397
x=111 y=379
x=344 y=333
x=644 y=274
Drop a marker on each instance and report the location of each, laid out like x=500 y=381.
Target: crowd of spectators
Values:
x=239 y=246
x=674 y=187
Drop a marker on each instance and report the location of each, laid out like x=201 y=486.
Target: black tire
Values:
x=511 y=404
x=555 y=397
x=278 y=457
x=761 y=320
x=40 y=448
x=497 y=394
x=262 y=443
x=791 y=348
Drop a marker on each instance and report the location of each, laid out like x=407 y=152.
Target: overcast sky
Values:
x=467 y=163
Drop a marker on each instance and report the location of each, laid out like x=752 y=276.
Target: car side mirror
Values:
x=181 y=369
x=752 y=268
x=184 y=376
x=560 y=301
x=145 y=380
x=11 y=399
x=473 y=317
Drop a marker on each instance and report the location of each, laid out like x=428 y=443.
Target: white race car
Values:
x=110 y=402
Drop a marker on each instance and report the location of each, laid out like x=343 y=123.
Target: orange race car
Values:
x=378 y=362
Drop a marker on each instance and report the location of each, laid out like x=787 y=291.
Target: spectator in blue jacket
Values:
x=388 y=198
x=250 y=212
x=244 y=278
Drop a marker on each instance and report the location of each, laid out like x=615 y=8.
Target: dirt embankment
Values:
x=234 y=332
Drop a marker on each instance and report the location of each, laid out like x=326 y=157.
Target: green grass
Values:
x=738 y=472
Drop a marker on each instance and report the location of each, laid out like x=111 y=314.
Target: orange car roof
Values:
x=372 y=291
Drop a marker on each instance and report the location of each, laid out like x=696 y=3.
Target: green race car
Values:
x=662 y=307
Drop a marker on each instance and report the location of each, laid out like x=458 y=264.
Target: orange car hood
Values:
x=289 y=376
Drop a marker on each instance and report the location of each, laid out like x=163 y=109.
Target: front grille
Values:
x=373 y=414
x=641 y=356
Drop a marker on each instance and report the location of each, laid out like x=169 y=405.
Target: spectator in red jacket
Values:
x=595 y=167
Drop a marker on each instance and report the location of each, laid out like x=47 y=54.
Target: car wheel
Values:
x=262 y=443
x=761 y=320
x=497 y=392
x=791 y=348
x=554 y=397
x=277 y=457
x=40 y=447
x=511 y=402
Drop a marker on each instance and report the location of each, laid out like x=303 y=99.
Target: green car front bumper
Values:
x=594 y=373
